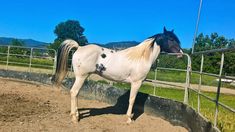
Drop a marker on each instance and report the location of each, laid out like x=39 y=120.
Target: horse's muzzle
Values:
x=179 y=55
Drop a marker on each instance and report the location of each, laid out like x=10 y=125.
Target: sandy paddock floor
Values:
x=33 y=107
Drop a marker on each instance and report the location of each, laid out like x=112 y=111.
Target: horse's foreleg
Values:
x=134 y=90
x=74 y=92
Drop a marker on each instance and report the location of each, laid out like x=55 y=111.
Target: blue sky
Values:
x=117 y=20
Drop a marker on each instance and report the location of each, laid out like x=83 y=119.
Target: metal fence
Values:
x=219 y=76
x=188 y=71
x=27 y=59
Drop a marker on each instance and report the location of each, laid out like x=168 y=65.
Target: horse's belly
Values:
x=116 y=74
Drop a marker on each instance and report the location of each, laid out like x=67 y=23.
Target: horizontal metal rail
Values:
x=171 y=69
x=205 y=73
x=18 y=63
x=196 y=91
x=214 y=75
x=229 y=77
x=42 y=65
x=214 y=51
x=19 y=55
x=3 y=53
x=26 y=47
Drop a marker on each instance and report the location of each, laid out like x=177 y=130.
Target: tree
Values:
x=70 y=29
x=231 y=43
x=212 y=60
x=213 y=41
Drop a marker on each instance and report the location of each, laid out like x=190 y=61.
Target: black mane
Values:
x=167 y=41
x=172 y=35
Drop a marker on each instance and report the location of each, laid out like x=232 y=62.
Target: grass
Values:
x=178 y=76
x=25 y=61
x=226 y=119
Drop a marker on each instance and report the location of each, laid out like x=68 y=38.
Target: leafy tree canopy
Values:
x=70 y=29
x=212 y=61
x=213 y=41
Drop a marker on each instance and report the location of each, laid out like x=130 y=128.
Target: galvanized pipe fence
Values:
x=28 y=58
x=188 y=88
x=219 y=76
x=187 y=79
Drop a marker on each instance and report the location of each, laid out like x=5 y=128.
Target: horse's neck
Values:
x=155 y=53
x=143 y=51
x=138 y=52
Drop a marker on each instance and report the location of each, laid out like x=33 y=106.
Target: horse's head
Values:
x=169 y=42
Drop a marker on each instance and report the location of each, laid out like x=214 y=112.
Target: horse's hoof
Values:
x=75 y=119
x=129 y=118
x=129 y=121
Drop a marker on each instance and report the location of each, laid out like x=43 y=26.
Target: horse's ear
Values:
x=164 y=30
x=172 y=30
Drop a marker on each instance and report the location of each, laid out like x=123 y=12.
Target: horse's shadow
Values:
x=119 y=108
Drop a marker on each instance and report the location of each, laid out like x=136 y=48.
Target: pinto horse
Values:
x=130 y=65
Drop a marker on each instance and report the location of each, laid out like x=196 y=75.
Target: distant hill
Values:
x=120 y=45
x=27 y=42
x=38 y=44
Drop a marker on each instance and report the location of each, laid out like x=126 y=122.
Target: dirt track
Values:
x=31 y=107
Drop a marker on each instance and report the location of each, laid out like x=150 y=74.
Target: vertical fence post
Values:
x=186 y=92
x=30 y=59
x=8 y=54
x=55 y=60
x=218 y=89
x=199 y=85
x=155 y=78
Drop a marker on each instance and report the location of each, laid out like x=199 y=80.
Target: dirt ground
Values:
x=33 y=107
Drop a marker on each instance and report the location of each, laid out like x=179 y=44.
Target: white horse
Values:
x=129 y=65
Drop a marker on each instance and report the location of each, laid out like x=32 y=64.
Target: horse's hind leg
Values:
x=134 y=90
x=74 y=92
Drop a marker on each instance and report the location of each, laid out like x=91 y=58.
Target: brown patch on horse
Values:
x=143 y=50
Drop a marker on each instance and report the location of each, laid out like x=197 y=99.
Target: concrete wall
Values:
x=175 y=112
